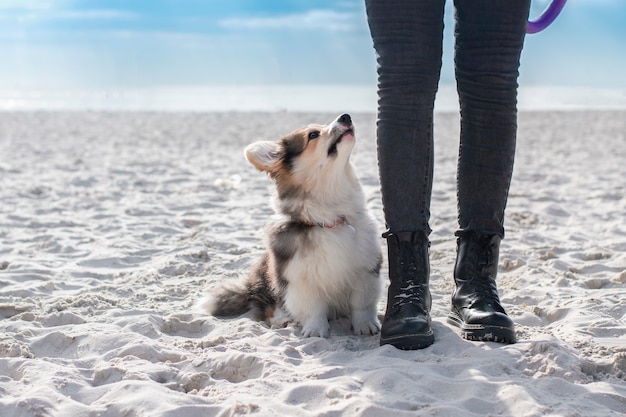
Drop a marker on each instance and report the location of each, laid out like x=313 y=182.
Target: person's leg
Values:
x=407 y=37
x=489 y=40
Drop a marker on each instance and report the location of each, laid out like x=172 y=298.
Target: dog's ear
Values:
x=263 y=155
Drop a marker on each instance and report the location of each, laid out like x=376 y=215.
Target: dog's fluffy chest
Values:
x=331 y=258
x=329 y=264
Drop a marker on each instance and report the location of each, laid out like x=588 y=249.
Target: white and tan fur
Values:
x=323 y=257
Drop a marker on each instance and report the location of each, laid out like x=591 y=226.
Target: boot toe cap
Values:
x=408 y=333
x=484 y=326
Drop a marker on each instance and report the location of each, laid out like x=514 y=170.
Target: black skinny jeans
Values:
x=407 y=37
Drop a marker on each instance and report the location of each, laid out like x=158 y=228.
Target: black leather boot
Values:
x=476 y=306
x=407 y=319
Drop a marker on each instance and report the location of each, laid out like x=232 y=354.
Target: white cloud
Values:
x=31 y=5
x=56 y=10
x=311 y=19
x=94 y=14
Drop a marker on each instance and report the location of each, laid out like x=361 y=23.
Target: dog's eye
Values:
x=314 y=135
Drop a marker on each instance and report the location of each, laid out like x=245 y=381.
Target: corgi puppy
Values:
x=323 y=257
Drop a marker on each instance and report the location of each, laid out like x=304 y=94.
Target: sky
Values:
x=117 y=44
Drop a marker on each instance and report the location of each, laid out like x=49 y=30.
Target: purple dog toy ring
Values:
x=546 y=18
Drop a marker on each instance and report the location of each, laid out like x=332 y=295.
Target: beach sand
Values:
x=113 y=225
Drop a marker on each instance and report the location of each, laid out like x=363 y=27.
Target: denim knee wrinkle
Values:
x=407 y=37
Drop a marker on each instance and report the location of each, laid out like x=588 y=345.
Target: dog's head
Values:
x=306 y=157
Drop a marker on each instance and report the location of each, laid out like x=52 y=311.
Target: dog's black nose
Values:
x=345 y=119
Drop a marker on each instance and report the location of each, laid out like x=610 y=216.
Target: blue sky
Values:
x=58 y=44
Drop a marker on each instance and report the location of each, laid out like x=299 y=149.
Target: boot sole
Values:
x=480 y=333
x=410 y=341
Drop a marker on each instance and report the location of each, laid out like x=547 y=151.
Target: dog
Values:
x=322 y=258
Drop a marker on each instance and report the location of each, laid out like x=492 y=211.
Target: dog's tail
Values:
x=229 y=300
x=240 y=296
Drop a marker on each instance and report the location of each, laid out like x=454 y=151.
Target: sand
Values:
x=113 y=225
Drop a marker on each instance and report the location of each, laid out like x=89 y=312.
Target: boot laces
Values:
x=410 y=292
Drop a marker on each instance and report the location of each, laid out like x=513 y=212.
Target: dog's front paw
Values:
x=316 y=328
x=366 y=328
x=365 y=322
